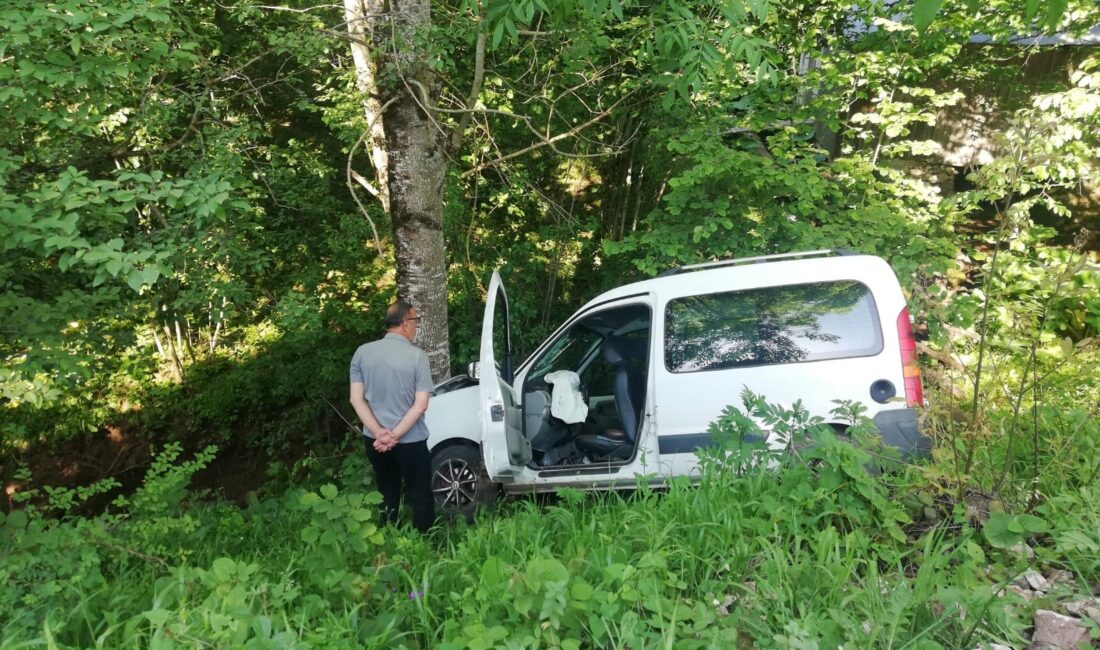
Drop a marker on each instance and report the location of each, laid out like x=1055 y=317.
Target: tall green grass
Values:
x=818 y=550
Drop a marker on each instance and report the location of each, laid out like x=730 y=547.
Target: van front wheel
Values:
x=460 y=484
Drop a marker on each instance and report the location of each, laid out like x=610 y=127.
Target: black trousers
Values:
x=407 y=463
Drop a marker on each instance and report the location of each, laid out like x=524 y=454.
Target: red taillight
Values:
x=914 y=392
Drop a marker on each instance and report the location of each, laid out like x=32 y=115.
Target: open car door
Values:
x=505 y=448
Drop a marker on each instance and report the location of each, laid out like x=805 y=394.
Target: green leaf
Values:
x=224 y=568
x=581 y=590
x=1003 y=530
x=494 y=571
x=149 y=274
x=924 y=11
x=16 y=519
x=1055 y=10
x=329 y=491
x=310 y=534
x=56 y=242
x=1032 y=8
x=617 y=9
x=158 y=617
x=125 y=17
x=543 y=570
x=759 y=9
x=134 y=280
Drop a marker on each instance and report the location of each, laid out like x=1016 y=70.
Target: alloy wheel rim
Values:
x=454 y=484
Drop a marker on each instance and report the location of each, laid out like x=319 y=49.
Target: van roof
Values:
x=728 y=272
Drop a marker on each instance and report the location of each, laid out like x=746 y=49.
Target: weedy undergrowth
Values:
x=816 y=541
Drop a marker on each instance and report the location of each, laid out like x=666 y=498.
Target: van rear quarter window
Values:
x=771 y=325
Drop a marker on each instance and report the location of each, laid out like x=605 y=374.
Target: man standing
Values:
x=390 y=384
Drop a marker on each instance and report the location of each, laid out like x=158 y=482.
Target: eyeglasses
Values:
x=414 y=318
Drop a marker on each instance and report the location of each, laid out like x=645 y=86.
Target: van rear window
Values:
x=772 y=325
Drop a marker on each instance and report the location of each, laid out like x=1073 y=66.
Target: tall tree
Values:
x=579 y=69
x=409 y=153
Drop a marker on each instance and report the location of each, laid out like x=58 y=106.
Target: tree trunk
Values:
x=418 y=169
x=408 y=154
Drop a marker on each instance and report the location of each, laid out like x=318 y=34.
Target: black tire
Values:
x=459 y=482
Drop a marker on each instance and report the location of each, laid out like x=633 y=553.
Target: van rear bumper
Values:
x=900 y=428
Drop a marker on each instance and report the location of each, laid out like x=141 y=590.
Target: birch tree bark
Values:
x=408 y=152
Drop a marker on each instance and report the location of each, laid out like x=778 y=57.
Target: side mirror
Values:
x=474 y=370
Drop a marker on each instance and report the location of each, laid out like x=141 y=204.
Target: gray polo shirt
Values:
x=392 y=371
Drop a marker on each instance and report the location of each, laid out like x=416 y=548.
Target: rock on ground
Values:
x=1054 y=630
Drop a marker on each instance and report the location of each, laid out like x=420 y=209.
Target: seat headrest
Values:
x=612 y=352
x=616 y=350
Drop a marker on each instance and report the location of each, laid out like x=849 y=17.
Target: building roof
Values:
x=1091 y=37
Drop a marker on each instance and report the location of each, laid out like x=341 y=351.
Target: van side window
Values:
x=771 y=325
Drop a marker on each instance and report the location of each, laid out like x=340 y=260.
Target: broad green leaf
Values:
x=224 y=568
x=329 y=491
x=1004 y=530
x=547 y=570
x=493 y=571
x=1031 y=8
x=759 y=9
x=924 y=11
x=158 y=617
x=149 y=274
x=56 y=242
x=1055 y=10
x=134 y=280
x=16 y=519
x=581 y=590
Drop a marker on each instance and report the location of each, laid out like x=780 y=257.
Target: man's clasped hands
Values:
x=384 y=441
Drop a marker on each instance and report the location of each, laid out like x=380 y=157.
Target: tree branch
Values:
x=548 y=140
x=353 y=177
x=475 y=89
x=303 y=10
x=365 y=184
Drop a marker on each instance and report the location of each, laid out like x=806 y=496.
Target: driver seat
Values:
x=629 y=387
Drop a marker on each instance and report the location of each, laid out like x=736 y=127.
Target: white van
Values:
x=628 y=386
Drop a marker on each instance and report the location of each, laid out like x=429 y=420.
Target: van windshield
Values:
x=771 y=325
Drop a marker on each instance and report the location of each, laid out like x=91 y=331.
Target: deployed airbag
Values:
x=566 y=402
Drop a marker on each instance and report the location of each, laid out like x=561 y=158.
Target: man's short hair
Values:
x=396 y=313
